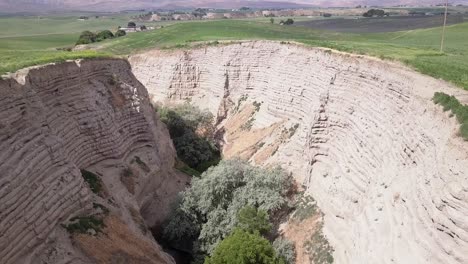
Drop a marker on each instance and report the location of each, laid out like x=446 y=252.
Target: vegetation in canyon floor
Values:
x=418 y=48
x=231 y=200
x=93 y=181
x=459 y=110
x=192 y=131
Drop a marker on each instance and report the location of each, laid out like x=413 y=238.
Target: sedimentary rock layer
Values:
x=384 y=163
x=56 y=120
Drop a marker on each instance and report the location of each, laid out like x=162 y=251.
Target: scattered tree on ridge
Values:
x=120 y=33
x=86 y=37
x=288 y=22
x=374 y=12
x=105 y=34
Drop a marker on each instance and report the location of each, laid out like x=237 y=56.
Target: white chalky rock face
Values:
x=66 y=117
x=384 y=163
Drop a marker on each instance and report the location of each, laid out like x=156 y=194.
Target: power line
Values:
x=443 y=29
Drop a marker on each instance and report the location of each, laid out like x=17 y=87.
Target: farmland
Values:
x=418 y=48
x=381 y=24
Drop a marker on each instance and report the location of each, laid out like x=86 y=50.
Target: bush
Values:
x=105 y=34
x=285 y=249
x=318 y=248
x=288 y=22
x=306 y=207
x=210 y=208
x=120 y=33
x=86 y=37
x=252 y=220
x=192 y=132
x=242 y=247
x=131 y=24
x=81 y=225
x=374 y=12
x=461 y=111
x=93 y=181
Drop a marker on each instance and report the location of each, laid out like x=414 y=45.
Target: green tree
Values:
x=105 y=34
x=252 y=220
x=289 y=21
x=272 y=20
x=242 y=247
x=213 y=202
x=374 y=12
x=120 y=33
x=86 y=37
x=192 y=132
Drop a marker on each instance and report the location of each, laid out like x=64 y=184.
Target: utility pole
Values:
x=443 y=29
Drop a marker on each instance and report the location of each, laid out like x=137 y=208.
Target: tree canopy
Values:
x=252 y=220
x=86 y=37
x=120 y=33
x=105 y=34
x=209 y=210
x=288 y=21
x=242 y=247
x=192 y=132
x=374 y=12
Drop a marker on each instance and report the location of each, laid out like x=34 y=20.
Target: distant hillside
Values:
x=9 y=6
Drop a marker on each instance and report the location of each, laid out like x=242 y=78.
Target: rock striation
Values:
x=58 y=119
x=383 y=162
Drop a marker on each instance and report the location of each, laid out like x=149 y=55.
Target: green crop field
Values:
x=417 y=48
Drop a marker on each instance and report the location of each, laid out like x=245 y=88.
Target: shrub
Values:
x=461 y=111
x=81 y=225
x=318 y=248
x=285 y=249
x=242 y=247
x=192 y=131
x=120 y=33
x=252 y=220
x=93 y=181
x=131 y=24
x=105 y=34
x=288 y=21
x=86 y=37
x=211 y=206
x=374 y=12
x=306 y=207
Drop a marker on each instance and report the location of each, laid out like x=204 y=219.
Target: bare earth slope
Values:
x=90 y=115
x=362 y=135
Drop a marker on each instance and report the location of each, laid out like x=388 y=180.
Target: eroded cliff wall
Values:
x=93 y=115
x=384 y=163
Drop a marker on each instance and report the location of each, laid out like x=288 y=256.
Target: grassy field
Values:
x=417 y=48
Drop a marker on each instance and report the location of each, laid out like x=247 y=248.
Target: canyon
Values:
x=360 y=135
x=59 y=119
